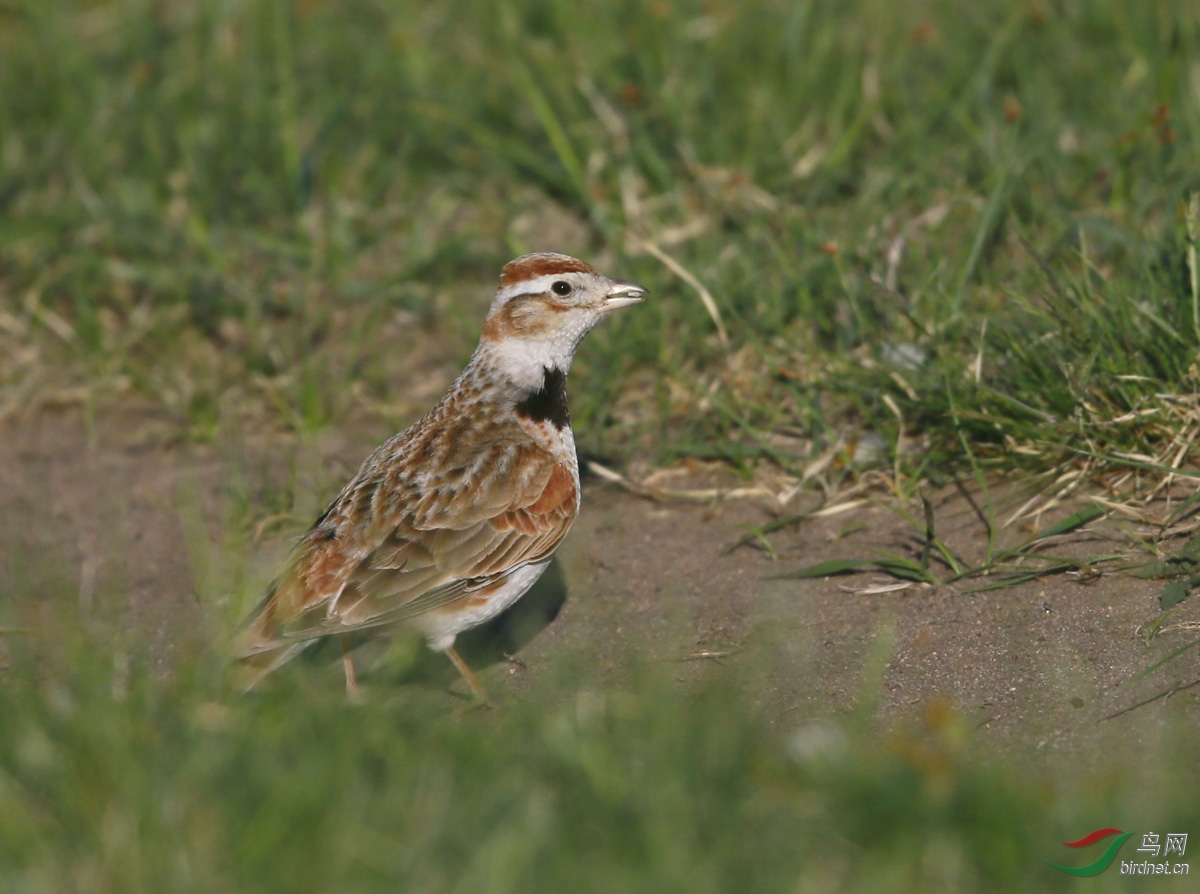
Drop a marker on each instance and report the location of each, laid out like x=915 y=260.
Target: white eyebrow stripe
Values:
x=539 y=285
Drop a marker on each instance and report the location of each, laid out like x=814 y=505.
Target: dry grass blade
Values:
x=1187 y=626
x=877 y=589
x=706 y=298
x=699 y=655
x=699 y=495
x=1126 y=509
x=1070 y=481
x=839 y=508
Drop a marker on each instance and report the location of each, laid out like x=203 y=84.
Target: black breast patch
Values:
x=549 y=402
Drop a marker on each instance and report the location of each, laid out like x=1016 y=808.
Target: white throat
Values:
x=523 y=361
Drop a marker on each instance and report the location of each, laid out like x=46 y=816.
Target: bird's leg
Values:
x=472 y=680
x=348 y=666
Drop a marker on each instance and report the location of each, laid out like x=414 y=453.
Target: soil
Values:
x=109 y=518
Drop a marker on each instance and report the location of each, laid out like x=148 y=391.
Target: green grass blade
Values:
x=827 y=568
x=1072 y=522
x=1156 y=665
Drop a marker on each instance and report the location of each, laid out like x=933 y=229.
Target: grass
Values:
x=975 y=211
x=113 y=779
x=1010 y=566
x=962 y=228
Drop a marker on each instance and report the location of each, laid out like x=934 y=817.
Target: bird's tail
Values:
x=259 y=648
x=253 y=666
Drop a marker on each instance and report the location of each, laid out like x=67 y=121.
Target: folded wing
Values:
x=390 y=548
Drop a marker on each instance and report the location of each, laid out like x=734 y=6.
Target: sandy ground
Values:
x=115 y=522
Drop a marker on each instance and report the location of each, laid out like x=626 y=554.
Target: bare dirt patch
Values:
x=124 y=525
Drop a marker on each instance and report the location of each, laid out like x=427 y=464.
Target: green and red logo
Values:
x=1106 y=858
x=1176 y=843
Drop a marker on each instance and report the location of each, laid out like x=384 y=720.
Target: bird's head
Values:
x=545 y=305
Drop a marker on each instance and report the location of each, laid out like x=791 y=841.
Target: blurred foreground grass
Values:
x=939 y=219
x=114 y=780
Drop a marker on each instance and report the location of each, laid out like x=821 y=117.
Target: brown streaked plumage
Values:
x=453 y=519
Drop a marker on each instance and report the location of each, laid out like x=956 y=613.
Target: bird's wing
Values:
x=349 y=574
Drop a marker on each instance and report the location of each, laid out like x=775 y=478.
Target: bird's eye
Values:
x=561 y=287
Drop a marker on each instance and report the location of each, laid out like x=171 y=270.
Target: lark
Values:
x=452 y=520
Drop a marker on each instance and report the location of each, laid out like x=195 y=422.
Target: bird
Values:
x=451 y=521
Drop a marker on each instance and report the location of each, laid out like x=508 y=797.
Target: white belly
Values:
x=441 y=627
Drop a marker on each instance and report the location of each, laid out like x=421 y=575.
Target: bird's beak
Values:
x=621 y=294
